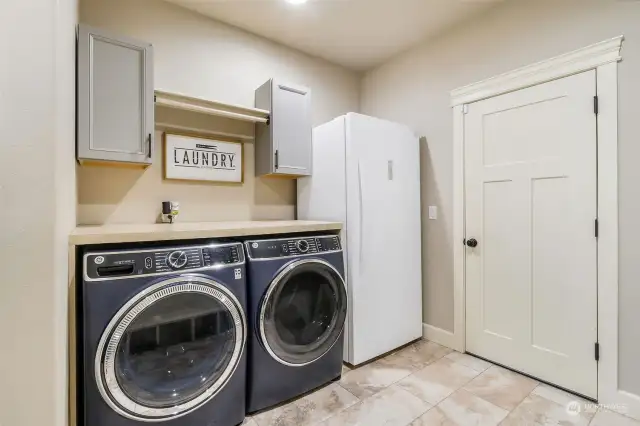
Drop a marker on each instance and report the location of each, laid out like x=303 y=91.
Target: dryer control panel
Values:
x=127 y=263
x=288 y=247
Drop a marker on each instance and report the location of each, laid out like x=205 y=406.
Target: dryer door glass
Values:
x=172 y=348
x=303 y=312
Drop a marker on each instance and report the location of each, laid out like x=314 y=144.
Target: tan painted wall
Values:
x=414 y=89
x=37 y=194
x=199 y=56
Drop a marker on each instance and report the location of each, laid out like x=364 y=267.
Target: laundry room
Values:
x=319 y=212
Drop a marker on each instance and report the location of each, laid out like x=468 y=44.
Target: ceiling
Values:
x=357 y=34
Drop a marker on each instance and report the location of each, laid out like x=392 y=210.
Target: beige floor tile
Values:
x=501 y=387
x=345 y=369
x=249 y=422
x=469 y=361
x=414 y=357
x=399 y=361
x=465 y=409
x=324 y=403
x=434 y=417
x=608 y=418
x=284 y=415
x=420 y=354
x=536 y=410
x=309 y=410
x=557 y=395
x=520 y=418
x=372 y=378
x=391 y=407
x=438 y=380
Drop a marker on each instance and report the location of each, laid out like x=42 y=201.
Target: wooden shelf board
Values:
x=210 y=107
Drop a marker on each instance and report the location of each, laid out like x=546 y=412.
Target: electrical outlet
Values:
x=433 y=212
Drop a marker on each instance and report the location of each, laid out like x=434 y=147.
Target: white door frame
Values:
x=604 y=58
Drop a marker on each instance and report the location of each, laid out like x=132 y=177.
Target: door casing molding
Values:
x=584 y=59
x=604 y=58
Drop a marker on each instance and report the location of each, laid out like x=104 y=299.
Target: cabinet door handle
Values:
x=276 y=158
x=149 y=143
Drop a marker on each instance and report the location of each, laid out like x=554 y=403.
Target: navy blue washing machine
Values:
x=162 y=333
x=296 y=314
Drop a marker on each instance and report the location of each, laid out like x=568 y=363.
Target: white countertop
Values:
x=106 y=234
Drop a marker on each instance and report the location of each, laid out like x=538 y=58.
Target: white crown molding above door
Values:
x=586 y=58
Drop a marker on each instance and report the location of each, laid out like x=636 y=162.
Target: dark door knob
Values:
x=472 y=242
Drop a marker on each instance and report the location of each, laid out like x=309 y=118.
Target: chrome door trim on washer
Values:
x=274 y=284
x=104 y=370
x=169 y=250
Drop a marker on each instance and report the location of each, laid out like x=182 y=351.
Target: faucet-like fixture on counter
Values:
x=170 y=209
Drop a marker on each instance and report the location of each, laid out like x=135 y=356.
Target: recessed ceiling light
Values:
x=296 y=1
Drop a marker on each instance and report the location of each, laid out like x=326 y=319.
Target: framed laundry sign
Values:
x=197 y=158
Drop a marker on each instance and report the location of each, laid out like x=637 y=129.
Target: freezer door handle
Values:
x=361 y=217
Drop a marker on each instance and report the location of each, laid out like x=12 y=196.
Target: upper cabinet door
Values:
x=115 y=98
x=291 y=121
x=283 y=147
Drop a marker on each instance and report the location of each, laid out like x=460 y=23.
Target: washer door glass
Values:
x=303 y=312
x=171 y=349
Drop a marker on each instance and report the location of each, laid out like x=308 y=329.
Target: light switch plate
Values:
x=433 y=212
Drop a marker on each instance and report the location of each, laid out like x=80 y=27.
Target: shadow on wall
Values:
x=435 y=257
x=117 y=194
x=270 y=194
x=101 y=189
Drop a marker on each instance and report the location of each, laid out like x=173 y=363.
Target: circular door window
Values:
x=170 y=349
x=303 y=312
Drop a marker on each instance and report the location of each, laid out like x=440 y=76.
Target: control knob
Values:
x=177 y=259
x=303 y=246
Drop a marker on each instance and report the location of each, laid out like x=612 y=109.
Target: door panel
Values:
x=293 y=137
x=303 y=312
x=383 y=209
x=550 y=218
x=170 y=349
x=500 y=224
x=115 y=97
x=118 y=100
x=530 y=188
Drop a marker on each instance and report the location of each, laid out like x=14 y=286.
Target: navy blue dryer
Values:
x=162 y=333
x=296 y=313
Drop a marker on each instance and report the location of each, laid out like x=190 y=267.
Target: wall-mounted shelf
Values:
x=176 y=128
x=187 y=114
x=204 y=106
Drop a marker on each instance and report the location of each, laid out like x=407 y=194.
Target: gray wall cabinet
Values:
x=115 y=98
x=283 y=147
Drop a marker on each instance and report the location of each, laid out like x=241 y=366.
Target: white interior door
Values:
x=530 y=189
x=383 y=215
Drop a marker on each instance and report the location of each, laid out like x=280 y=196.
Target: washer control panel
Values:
x=176 y=260
x=287 y=247
x=121 y=264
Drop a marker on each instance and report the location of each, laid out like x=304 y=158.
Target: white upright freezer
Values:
x=366 y=174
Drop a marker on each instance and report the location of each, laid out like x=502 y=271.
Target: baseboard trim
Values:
x=439 y=336
x=622 y=402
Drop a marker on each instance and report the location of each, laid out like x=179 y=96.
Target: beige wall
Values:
x=414 y=89
x=198 y=56
x=37 y=194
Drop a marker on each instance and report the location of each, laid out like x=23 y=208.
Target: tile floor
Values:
x=426 y=384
